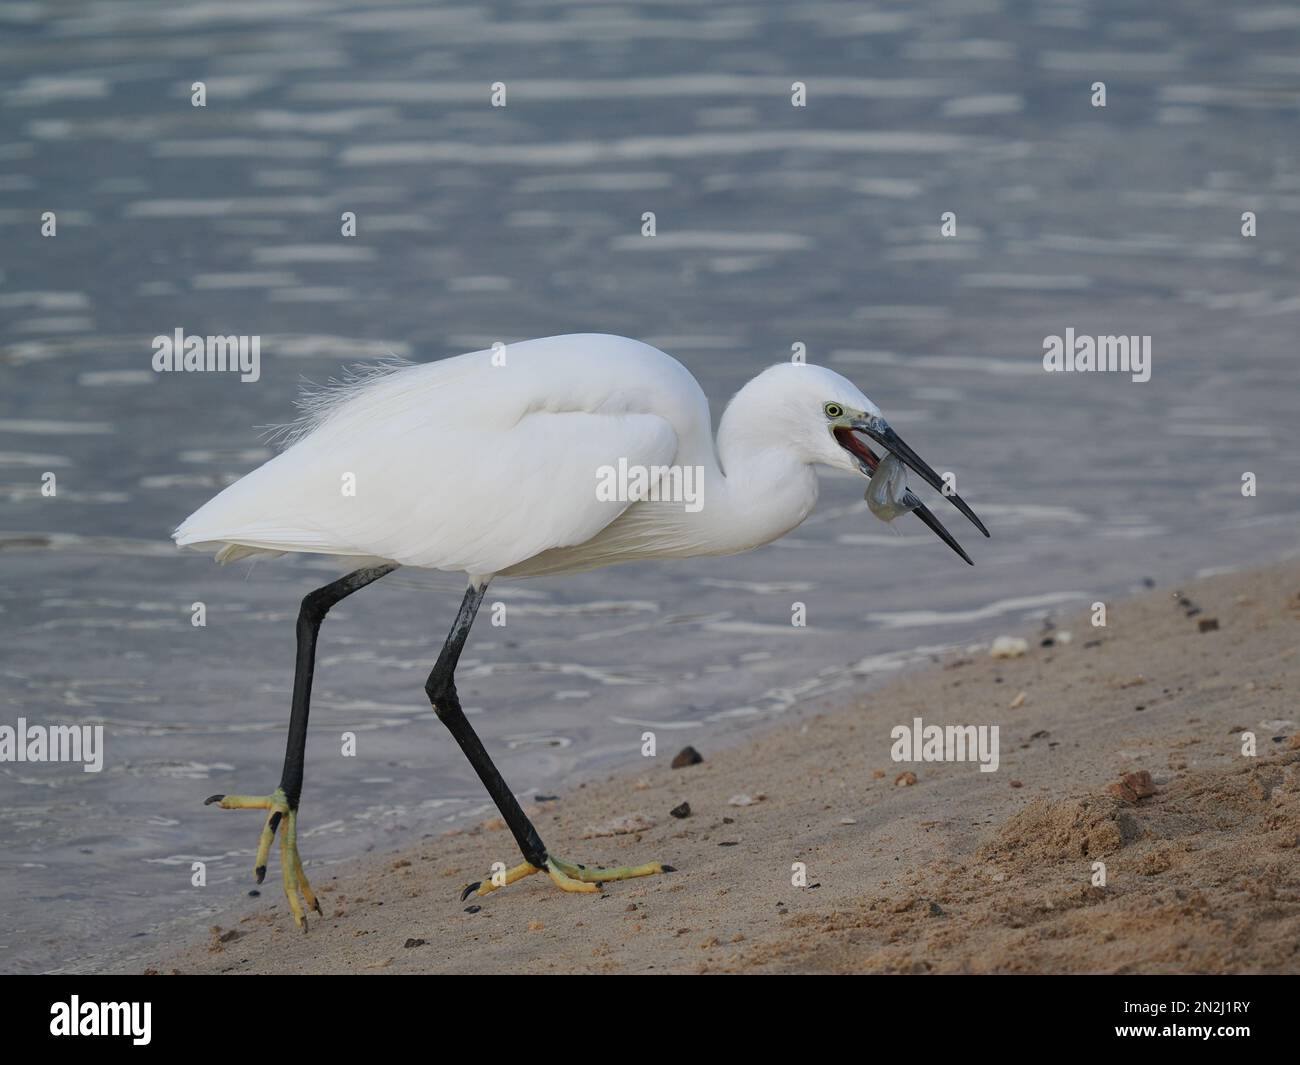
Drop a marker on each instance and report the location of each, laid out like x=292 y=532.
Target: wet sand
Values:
x=960 y=871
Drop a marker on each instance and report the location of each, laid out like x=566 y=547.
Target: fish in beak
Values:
x=887 y=496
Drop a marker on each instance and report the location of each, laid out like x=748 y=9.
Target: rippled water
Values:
x=776 y=225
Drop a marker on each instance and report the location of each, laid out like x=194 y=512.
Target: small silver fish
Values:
x=887 y=497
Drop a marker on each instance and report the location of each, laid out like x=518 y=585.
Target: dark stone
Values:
x=687 y=756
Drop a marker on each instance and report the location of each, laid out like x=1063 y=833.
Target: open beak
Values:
x=879 y=430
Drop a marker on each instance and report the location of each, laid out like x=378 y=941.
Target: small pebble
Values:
x=627 y=825
x=1133 y=786
x=1008 y=647
x=687 y=756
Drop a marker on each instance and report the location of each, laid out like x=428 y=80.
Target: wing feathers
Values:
x=456 y=497
x=469 y=463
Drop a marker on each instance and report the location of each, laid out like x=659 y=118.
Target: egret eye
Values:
x=833 y=410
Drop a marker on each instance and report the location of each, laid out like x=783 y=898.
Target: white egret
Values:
x=497 y=464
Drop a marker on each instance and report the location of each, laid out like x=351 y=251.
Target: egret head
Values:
x=826 y=419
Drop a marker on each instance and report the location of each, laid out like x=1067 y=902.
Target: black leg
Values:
x=282 y=806
x=441 y=687
x=314 y=608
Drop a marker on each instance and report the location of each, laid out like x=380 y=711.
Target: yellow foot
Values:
x=567 y=876
x=278 y=812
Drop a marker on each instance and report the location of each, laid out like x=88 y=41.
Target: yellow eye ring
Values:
x=833 y=410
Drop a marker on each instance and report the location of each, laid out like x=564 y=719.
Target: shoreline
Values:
x=958 y=871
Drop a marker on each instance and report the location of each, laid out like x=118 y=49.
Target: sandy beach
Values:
x=1120 y=744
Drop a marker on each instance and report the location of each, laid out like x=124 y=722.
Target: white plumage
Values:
x=495 y=465
x=490 y=466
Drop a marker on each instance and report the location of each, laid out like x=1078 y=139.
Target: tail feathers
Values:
x=225 y=550
x=233 y=544
x=234 y=552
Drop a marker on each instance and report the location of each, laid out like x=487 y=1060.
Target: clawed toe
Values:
x=567 y=876
x=282 y=818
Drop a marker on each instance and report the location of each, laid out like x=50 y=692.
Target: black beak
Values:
x=936 y=526
x=880 y=431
